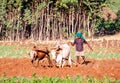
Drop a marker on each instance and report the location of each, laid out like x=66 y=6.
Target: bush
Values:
x=77 y=79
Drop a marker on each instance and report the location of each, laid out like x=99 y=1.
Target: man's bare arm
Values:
x=89 y=46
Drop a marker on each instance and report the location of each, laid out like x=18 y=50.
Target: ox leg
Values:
x=63 y=62
x=38 y=62
x=43 y=63
x=34 y=58
x=32 y=61
x=59 y=64
x=59 y=60
x=49 y=61
x=70 y=62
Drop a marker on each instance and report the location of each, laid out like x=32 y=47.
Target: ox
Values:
x=39 y=54
x=61 y=54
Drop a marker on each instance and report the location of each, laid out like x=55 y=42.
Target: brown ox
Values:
x=39 y=54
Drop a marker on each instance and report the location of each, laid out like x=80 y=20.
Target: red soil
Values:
x=94 y=68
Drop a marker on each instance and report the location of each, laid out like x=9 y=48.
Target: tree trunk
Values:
x=88 y=27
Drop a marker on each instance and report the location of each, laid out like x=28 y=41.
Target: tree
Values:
x=49 y=19
x=117 y=22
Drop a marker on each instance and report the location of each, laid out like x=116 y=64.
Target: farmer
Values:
x=79 y=42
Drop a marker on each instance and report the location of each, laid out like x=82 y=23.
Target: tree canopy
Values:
x=50 y=19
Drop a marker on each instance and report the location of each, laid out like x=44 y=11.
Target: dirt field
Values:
x=93 y=68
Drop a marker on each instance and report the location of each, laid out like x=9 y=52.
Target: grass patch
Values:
x=115 y=5
x=98 y=53
x=102 y=53
x=15 y=51
x=76 y=79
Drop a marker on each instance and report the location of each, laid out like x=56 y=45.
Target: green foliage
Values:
x=92 y=7
x=3 y=4
x=77 y=79
x=28 y=16
x=65 y=4
x=117 y=21
x=18 y=4
x=102 y=53
x=16 y=51
x=17 y=14
x=9 y=24
x=107 y=27
x=13 y=51
x=40 y=7
x=114 y=5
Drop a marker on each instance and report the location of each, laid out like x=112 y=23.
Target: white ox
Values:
x=61 y=55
